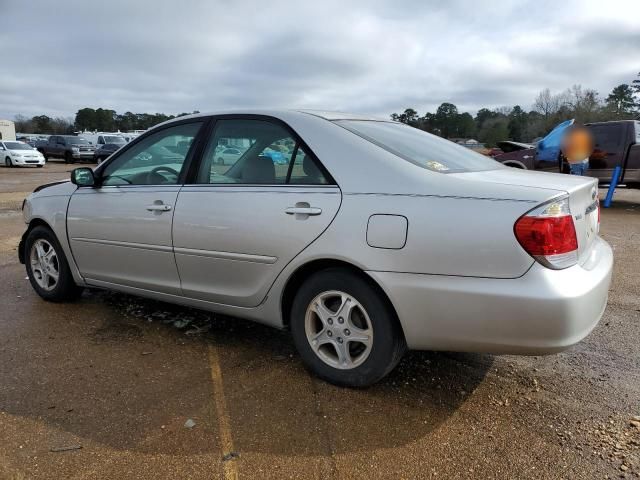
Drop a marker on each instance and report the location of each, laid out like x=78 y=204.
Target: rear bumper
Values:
x=544 y=311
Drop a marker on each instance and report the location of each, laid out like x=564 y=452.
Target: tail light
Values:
x=548 y=234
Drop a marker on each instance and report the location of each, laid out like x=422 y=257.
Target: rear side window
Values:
x=607 y=137
x=256 y=152
x=419 y=147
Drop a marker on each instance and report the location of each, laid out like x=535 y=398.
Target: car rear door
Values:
x=237 y=226
x=120 y=232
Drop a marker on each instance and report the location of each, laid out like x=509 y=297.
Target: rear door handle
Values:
x=303 y=211
x=158 y=208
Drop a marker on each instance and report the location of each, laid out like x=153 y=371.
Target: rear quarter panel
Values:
x=445 y=236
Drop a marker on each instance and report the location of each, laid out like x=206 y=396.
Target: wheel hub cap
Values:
x=44 y=264
x=339 y=329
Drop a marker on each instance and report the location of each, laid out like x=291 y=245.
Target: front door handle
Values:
x=303 y=211
x=161 y=207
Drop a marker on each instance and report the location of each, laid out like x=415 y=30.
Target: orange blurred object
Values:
x=577 y=145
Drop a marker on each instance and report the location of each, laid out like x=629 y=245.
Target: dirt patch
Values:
x=117 y=332
x=12 y=200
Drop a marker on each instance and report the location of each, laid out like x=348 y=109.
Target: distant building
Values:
x=468 y=142
x=7 y=130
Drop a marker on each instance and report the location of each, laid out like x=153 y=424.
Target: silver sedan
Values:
x=373 y=238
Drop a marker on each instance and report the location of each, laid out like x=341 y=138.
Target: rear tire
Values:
x=45 y=260
x=344 y=329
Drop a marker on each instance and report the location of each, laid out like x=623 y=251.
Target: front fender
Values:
x=49 y=207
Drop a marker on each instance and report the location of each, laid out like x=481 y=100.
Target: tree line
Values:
x=490 y=126
x=100 y=119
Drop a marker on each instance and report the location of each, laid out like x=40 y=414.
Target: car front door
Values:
x=120 y=232
x=237 y=226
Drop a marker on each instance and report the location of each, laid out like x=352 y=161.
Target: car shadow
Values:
x=127 y=373
x=275 y=406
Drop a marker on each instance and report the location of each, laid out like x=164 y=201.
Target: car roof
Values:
x=280 y=113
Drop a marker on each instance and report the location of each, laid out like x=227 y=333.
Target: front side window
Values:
x=256 y=152
x=419 y=147
x=156 y=160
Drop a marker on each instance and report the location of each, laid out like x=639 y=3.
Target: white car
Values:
x=20 y=154
x=228 y=156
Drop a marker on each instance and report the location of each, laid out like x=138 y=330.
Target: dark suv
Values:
x=68 y=147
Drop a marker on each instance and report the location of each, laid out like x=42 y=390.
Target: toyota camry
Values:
x=373 y=237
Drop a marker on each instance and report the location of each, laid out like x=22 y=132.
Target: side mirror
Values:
x=83 y=177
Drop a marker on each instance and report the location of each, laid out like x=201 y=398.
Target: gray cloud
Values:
x=376 y=57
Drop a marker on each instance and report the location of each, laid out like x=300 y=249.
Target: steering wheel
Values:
x=155 y=174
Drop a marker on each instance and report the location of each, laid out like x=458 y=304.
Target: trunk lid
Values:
x=582 y=192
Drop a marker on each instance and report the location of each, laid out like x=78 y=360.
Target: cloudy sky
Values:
x=362 y=56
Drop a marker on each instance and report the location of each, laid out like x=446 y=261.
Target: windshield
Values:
x=77 y=141
x=17 y=146
x=419 y=147
x=114 y=139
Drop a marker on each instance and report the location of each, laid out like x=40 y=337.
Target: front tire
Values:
x=345 y=330
x=47 y=267
x=68 y=158
x=8 y=163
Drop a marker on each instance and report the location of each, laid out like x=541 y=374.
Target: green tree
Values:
x=517 y=124
x=105 y=120
x=445 y=119
x=620 y=101
x=86 y=119
x=409 y=116
x=465 y=126
x=494 y=130
x=483 y=115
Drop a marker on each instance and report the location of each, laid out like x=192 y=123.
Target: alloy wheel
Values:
x=45 y=266
x=338 y=329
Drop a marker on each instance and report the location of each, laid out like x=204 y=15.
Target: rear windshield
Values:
x=419 y=147
x=76 y=141
x=114 y=139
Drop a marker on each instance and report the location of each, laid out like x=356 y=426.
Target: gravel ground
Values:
x=114 y=386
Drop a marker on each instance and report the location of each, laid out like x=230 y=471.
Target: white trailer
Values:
x=7 y=130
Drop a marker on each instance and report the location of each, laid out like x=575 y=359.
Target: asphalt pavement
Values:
x=114 y=386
